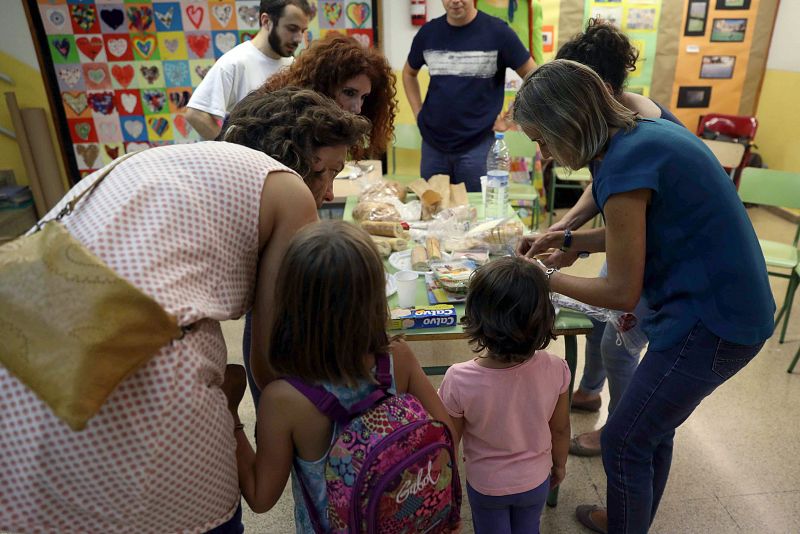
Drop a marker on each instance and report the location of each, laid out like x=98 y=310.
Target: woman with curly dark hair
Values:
x=358 y=78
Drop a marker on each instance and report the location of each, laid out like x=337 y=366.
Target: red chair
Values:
x=732 y=128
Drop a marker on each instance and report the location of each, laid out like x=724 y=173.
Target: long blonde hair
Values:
x=572 y=108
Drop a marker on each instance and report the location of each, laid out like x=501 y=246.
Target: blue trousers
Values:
x=233 y=525
x=607 y=357
x=637 y=440
x=508 y=514
x=467 y=166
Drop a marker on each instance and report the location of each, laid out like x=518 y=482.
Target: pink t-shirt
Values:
x=507 y=441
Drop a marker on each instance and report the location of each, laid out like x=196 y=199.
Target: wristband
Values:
x=567 y=240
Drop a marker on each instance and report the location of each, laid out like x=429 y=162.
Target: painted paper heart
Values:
x=83 y=130
x=247 y=36
x=201 y=71
x=89 y=154
x=96 y=75
x=155 y=100
x=77 y=102
x=114 y=18
x=179 y=99
x=141 y=17
x=146 y=45
x=111 y=151
x=362 y=39
x=171 y=44
x=159 y=125
x=84 y=15
x=128 y=102
x=63 y=46
x=136 y=147
x=56 y=17
x=225 y=41
x=90 y=47
x=222 y=14
x=134 y=128
x=70 y=75
x=181 y=125
x=199 y=44
x=249 y=14
x=333 y=12
x=123 y=74
x=150 y=73
x=195 y=14
x=165 y=17
x=358 y=13
x=102 y=102
x=117 y=47
x=108 y=130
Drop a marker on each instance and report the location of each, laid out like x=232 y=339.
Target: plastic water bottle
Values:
x=498 y=163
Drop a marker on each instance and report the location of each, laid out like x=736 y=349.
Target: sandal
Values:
x=591 y=405
x=576 y=449
x=584 y=515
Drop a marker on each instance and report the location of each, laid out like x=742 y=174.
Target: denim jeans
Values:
x=246 y=335
x=606 y=356
x=637 y=440
x=467 y=166
x=508 y=514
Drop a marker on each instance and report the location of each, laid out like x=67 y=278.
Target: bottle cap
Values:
x=499 y=135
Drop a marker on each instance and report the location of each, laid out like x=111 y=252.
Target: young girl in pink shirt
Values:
x=511 y=403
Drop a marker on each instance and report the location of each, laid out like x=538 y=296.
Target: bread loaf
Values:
x=385 y=228
x=433 y=249
x=419 y=258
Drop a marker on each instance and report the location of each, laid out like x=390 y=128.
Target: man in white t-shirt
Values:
x=248 y=65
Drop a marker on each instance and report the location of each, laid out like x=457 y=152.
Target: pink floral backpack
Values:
x=391 y=469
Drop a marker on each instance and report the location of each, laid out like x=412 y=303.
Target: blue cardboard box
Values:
x=436 y=316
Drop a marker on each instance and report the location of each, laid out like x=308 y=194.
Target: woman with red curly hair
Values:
x=358 y=78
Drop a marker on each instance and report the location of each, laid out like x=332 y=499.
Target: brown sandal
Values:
x=584 y=515
x=592 y=405
x=576 y=449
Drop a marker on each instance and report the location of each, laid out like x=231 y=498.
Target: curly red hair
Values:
x=330 y=62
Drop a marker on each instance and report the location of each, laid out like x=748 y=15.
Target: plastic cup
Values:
x=406 y=288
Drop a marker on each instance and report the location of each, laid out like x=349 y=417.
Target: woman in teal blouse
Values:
x=676 y=232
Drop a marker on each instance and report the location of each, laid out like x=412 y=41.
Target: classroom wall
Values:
x=779 y=103
x=18 y=60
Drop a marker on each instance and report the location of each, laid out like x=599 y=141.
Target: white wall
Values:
x=398 y=32
x=784 y=51
x=15 y=37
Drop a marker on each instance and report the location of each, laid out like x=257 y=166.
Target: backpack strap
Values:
x=323 y=399
x=383 y=373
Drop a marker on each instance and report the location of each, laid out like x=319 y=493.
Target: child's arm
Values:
x=263 y=473
x=410 y=378
x=458 y=430
x=560 y=432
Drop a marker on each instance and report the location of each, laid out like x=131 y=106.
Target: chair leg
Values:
x=794 y=362
x=787 y=305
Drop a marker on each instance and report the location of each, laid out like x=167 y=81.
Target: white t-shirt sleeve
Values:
x=214 y=92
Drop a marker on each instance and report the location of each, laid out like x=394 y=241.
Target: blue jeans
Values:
x=467 y=166
x=606 y=356
x=246 y=335
x=637 y=440
x=518 y=513
x=233 y=525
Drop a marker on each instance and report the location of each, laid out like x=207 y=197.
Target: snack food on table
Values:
x=497 y=233
x=384 y=248
x=384 y=188
x=431 y=204
x=385 y=228
x=371 y=210
x=441 y=184
x=458 y=195
x=453 y=275
x=419 y=258
x=480 y=255
x=423 y=317
x=396 y=244
x=433 y=249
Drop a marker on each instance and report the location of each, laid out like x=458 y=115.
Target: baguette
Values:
x=384 y=248
x=419 y=258
x=433 y=249
x=396 y=243
x=384 y=228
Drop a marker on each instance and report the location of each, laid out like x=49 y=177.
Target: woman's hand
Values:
x=234 y=386
x=532 y=245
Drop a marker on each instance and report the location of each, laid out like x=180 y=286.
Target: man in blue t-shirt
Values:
x=467 y=53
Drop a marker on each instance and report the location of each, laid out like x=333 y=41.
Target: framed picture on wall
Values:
x=696 y=16
x=719 y=67
x=694 y=97
x=728 y=30
x=733 y=4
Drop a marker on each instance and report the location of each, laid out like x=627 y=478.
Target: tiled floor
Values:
x=736 y=465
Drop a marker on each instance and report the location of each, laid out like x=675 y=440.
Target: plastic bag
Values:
x=501 y=235
x=629 y=333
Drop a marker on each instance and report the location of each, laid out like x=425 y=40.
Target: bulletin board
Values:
x=120 y=73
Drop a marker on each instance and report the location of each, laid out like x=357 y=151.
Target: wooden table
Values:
x=569 y=324
x=729 y=154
